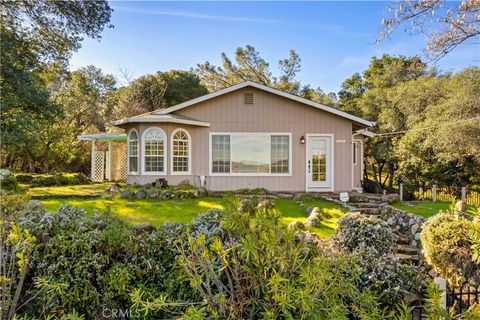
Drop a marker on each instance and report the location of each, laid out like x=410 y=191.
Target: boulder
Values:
x=152 y=193
x=245 y=205
x=315 y=218
x=202 y=192
x=184 y=194
x=161 y=183
x=126 y=194
x=357 y=197
x=460 y=206
x=166 y=194
x=114 y=190
x=265 y=204
x=390 y=198
x=186 y=181
x=295 y=226
x=141 y=194
x=107 y=196
x=143 y=228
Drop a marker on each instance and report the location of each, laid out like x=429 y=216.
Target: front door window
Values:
x=318 y=162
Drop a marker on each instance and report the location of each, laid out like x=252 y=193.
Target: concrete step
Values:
x=406 y=249
x=372 y=211
x=406 y=257
x=363 y=204
x=401 y=239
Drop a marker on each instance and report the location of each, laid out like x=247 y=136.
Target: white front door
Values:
x=319 y=162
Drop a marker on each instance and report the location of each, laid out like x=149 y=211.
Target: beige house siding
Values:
x=269 y=113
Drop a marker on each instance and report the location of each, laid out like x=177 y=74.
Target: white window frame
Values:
x=189 y=171
x=354 y=153
x=269 y=134
x=165 y=144
x=128 y=152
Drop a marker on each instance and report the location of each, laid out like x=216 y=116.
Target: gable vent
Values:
x=248 y=98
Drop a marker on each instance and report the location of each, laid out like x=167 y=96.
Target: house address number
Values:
x=341 y=141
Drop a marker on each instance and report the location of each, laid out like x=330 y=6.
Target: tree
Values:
x=370 y=96
x=37 y=38
x=249 y=66
x=446 y=25
x=157 y=91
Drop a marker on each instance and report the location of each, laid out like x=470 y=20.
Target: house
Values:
x=245 y=136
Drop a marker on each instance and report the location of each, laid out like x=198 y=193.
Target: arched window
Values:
x=154 y=151
x=181 y=152
x=132 y=152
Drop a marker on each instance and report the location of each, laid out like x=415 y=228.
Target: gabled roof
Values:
x=170 y=118
x=267 y=89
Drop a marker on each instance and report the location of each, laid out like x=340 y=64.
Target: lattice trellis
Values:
x=99 y=163
x=122 y=154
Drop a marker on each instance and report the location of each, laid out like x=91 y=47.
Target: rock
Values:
x=309 y=210
x=184 y=194
x=389 y=198
x=166 y=194
x=202 y=192
x=186 y=181
x=295 y=226
x=126 y=194
x=245 y=205
x=114 y=190
x=107 y=196
x=161 y=183
x=414 y=229
x=141 y=194
x=152 y=193
x=265 y=204
x=460 y=206
x=315 y=218
x=391 y=221
x=417 y=236
x=143 y=228
x=357 y=197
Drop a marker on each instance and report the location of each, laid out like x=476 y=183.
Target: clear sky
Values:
x=333 y=39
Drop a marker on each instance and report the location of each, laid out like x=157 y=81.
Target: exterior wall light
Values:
x=302 y=140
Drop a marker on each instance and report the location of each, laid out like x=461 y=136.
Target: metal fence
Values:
x=409 y=192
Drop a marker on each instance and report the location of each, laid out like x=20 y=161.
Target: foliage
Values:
x=249 y=66
x=255 y=268
x=16 y=246
x=37 y=39
x=370 y=240
x=474 y=237
x=446 y=245
x=8 y=181
x=59 y=179
x=445 y=25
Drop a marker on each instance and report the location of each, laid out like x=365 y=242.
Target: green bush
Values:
x=247 y=265
x=8 y=180
x=370 y=241
x=59 y=179
x=448 y=248
x=24 y=178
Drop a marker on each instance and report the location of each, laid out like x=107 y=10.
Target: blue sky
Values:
x=333 y=39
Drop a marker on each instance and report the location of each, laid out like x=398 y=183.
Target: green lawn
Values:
x=424 y=208
x=84 y=190
x=156 y=211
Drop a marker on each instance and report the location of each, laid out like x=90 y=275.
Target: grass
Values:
x=424 y=208
x=157 y=212
x=83 y=190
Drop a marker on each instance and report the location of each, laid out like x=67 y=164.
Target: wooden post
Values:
x=93 y=161
x=442 y=284
x=464 y=194
x=434 y=192
x=401 y=192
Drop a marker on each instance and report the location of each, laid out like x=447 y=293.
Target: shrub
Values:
x=446 y=245
x=248 y=266
x=8 y=180
x=59 y=179
x=370 y=241
x=24 y=178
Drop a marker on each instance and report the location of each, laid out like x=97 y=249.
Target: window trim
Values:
x=270 y=134
x=181 y=173
x=128 y=152
x=165 y=144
